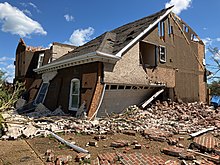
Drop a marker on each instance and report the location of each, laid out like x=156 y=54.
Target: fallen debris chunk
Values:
x=172 y=141
x=78 y=149
x=215 y=159
x=119 y=143
x=171 y=162
x=173 y=151
x=62 y=159
x=206 y=142
x=152 y=98
x=137 y=146
x=129 y=132
x=92 y=143
x=201 y=132
x=82 y=156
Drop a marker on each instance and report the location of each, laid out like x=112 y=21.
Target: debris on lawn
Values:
x=161 y=123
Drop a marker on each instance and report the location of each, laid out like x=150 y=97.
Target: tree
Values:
x=214 y=86
x=215 y=68
x=9 y=93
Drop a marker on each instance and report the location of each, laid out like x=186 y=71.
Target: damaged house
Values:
x=126 y=66
x=29 y=58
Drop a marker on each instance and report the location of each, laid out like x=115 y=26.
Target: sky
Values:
x=40 y=23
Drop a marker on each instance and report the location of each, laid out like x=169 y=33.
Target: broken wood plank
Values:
x=152 y=98
x=76 y=148
x=201 y=132
x=216 y=160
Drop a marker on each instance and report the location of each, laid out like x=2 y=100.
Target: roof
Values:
x=65 y=45
x=112 y=44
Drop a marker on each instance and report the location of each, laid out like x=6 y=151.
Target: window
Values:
x=42 y=93
x=162 y=54
x=185 y=28
x=74 y=95
x=148 y=54
x=161 y=30
x=40 y=60
x=170 y=27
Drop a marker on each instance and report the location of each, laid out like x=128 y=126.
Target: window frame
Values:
x=162 y=54
x=40 y=60
x=71 y=95
x=35 y=100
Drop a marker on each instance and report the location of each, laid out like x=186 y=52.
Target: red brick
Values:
x=173 y=151
x=206 y=142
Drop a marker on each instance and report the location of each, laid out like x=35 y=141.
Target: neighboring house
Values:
x=29 y=58
x=126 y=66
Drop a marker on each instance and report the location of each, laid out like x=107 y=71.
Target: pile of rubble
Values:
x=158 y=123
x=172 y=117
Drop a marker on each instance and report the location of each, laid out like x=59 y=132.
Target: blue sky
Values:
x=40 y=23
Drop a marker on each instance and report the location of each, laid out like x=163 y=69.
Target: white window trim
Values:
x=40 y=63
x=70 y=95
x=40 y=90
x=165 y=53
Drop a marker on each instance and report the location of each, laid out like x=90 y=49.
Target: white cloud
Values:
x=16 y=22
x=10 y=66
x=27 y=12
x=207 y=41
x=81 y=36
x=34 y=6
x=218 y=39
x=179 y=5
x=68 y=17
x=2 y=59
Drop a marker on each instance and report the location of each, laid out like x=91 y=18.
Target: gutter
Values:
x=86 y=58
x=119 y=54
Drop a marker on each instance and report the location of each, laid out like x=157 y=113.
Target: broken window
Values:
x=40 y=60
x=162 y=54
x=170 y=27
x=74 y=95
x=42 y=93
x=148 y=54
x=161 y=30
x=185 y=28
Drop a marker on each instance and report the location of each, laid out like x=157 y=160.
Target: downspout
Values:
x=100 y=102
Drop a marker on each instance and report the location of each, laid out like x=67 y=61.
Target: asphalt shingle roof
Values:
x=112 y=42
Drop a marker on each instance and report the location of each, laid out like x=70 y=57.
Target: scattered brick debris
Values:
x=82 y=156
x=206 y=142
x=171 y=162
x=129 y=132
x=140 y=158
x=108 y=157
x=119 y=143
x=173 y=151
x=157 y=134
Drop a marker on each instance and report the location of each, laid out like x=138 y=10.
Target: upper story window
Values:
x=40 y=60
x=170 y=27
x=161 y=30
x=74 y=95
x=148 y=54
x=162 y=52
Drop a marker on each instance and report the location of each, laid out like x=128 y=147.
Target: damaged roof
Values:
x=110 y=46
x=112 y=42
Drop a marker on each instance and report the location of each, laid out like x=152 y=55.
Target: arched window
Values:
x=74 y=95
